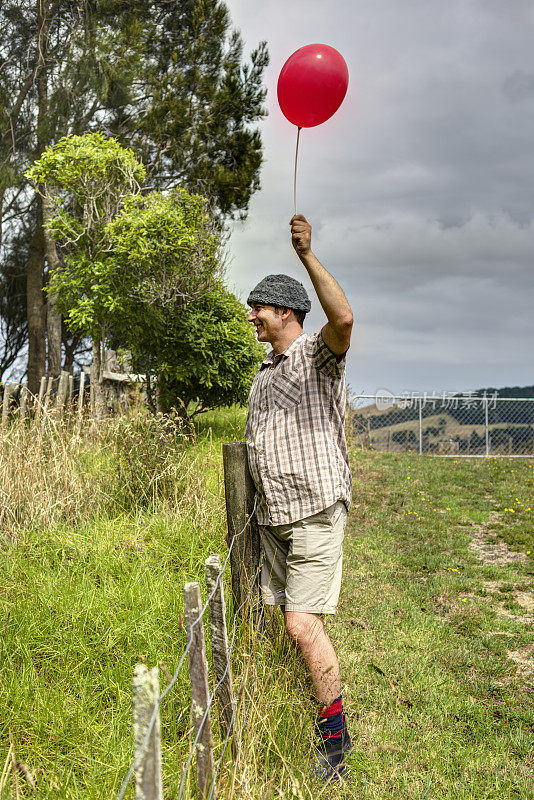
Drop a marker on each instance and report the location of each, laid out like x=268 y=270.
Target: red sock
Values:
x=329 y=722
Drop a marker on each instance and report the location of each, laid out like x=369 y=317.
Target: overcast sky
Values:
x=420 y=189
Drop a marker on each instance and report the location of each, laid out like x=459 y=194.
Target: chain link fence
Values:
x=477 y=425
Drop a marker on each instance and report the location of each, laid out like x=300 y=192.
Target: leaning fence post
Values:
x=219 y=646
x=198 y=673
x=145 y=687
x=239 y=492
x=8 y=391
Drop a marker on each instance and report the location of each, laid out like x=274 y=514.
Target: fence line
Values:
x=155 y=715
x=481 y=426
x=60 y=395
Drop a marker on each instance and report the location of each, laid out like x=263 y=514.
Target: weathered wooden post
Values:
x=80 y=402
x=23 y=401
x=198 y=673
x=61 y=397
x=71 y=388
x=239 y=492
x=8 y=391
x=40 y=400
x=145 y=687
x=46 y=403
x=219 y=647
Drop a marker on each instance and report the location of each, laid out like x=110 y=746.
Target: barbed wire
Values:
x=174 y=678
x=232 y=719
x=212 y=696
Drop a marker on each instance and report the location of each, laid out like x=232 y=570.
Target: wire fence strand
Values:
x=168 y=688
x=212 y=696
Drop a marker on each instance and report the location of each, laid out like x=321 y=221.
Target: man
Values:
x=298 y=459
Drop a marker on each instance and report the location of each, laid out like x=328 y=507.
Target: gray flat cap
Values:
x=280 y=290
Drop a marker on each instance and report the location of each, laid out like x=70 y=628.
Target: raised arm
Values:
x=336 y=333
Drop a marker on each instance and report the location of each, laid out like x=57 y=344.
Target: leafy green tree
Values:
x=85 y=180
x=210 y=355
x=193 y=101
x=133 y=262
x=168 y=79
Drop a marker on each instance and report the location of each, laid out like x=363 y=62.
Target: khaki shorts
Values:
x=302 y=562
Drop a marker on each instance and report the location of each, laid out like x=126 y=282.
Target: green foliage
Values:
x=89 y=167
x=148 y=451
x=195 y=99
x=211 y=354
x=86 y=179
x=166 y=251
x=133 y=263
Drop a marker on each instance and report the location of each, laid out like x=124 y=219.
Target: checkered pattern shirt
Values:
x=295 y=432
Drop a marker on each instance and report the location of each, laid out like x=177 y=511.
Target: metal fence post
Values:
x=198 y=673
x=487 y=427
x=145 y=687
x=420 y=426
x=239 y=492
x=219 y=646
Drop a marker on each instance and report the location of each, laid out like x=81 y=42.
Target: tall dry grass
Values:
x=52 y=473
x=101 y=529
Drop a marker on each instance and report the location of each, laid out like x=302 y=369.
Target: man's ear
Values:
x=285 y=312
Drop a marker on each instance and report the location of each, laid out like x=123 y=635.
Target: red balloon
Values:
x=312 y=85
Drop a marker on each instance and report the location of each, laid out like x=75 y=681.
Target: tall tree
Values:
x=169 y=79
x=84 y=180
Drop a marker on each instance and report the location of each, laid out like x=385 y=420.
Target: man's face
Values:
x=267 y=320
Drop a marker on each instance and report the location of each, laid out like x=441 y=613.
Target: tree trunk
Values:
x=53 y=325
x=36 y=307
x=98 y=410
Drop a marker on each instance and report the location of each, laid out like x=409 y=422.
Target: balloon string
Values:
x=295 y=176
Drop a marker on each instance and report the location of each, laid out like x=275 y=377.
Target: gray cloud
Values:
x=519 y=86
x=419 y=189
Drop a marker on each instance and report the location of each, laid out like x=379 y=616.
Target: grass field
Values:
x=436 y=645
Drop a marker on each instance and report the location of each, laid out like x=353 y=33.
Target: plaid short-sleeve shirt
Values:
x=295 y=432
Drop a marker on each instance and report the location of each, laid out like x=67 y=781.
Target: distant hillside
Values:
x=462 y=421
x=507 y=391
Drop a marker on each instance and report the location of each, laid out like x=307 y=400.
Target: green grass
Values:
x=436 y=706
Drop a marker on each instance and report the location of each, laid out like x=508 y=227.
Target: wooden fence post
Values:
x=40 y=401
x=198 y=673
x=8 y=391
x=23 y=401
x=239 y=492
x=219 y=647
x=47 y=399
x=80 y=402
x=145 y=687
x=62 y=390
x=71 y=388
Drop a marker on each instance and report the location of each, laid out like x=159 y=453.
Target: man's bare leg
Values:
x=308 y=631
